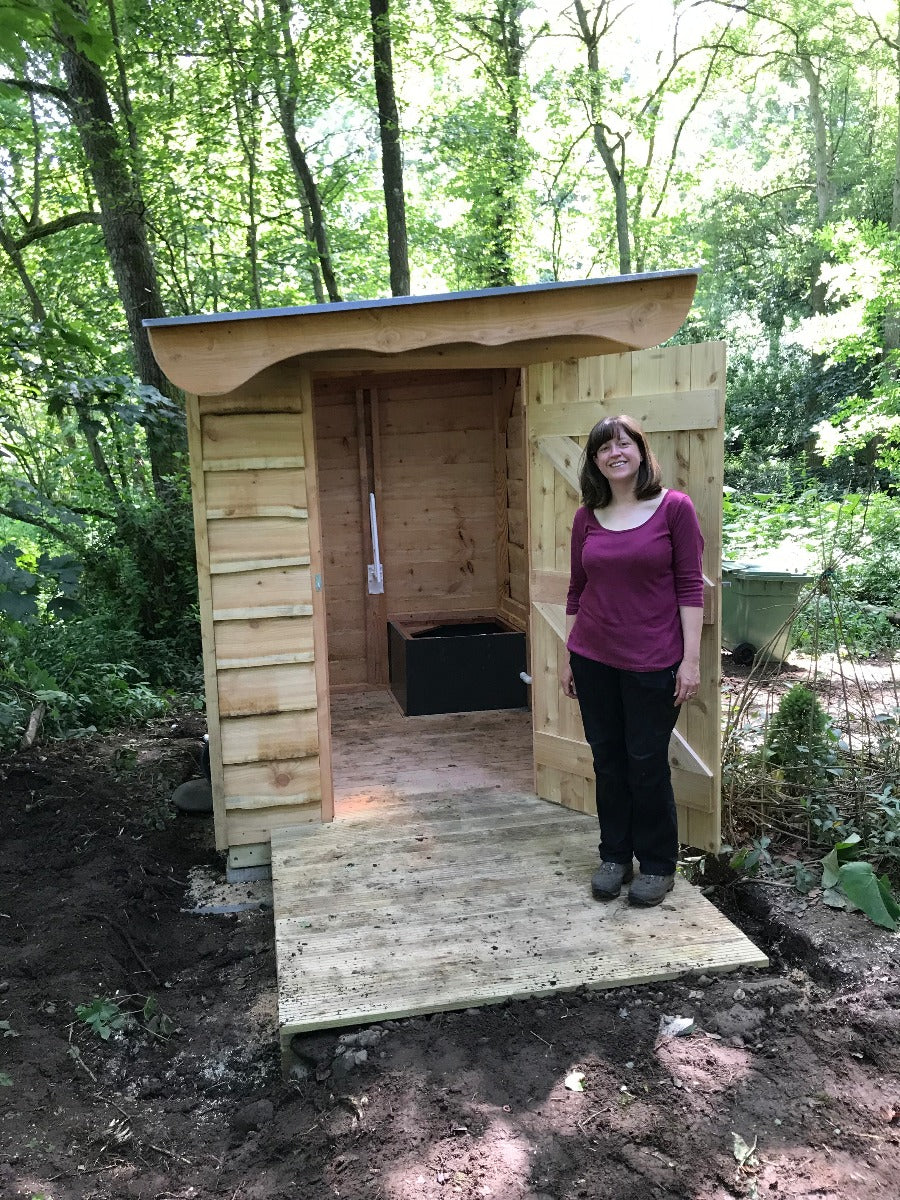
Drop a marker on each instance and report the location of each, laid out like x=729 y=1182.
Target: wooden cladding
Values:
x=249 y=468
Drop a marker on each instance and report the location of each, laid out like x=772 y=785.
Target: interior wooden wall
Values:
x=343 y=540
x=448 y=455
x=513 y=535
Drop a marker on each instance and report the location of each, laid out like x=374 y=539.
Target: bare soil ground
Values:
x=788 y=1086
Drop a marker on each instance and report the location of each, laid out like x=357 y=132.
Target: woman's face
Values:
x=619 y=459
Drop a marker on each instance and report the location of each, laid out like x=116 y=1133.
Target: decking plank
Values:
x=464 y=899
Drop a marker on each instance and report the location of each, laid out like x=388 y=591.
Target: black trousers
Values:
x=628 y=719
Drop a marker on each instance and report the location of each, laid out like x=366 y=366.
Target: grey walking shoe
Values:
x=648 y=890
x=607 y=880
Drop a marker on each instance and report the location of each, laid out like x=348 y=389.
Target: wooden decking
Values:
x=445 y=899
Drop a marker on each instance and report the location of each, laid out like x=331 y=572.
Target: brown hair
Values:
x=595 y=489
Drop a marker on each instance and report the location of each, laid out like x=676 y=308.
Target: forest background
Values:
x=158 y=159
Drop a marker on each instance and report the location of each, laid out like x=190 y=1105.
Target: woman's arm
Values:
x=566 y=682
x=687 y=681
x=577 y=581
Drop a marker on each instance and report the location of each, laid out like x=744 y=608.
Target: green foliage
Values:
x=773 y=404
x=98 y=615
x=799 y=739
x=838 y=624
x=61 y=667
x=105 y=1016
x=750 y=860
x=51 y=586
x=155 y=1020
x=849 y=883
x=851 y=542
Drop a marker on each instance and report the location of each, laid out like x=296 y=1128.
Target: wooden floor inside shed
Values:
x=424 y=897
x=380 y=756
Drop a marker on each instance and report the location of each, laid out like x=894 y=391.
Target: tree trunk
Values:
x=824 y=184
x=391 y=151
x=607 y=145
x=124 y=232
x=892 y=315
x=311 y=202
x=510 y=55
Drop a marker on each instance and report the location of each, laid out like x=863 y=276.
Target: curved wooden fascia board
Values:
x=214 y=357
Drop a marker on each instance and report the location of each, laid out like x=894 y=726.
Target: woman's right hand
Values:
x=567 y=682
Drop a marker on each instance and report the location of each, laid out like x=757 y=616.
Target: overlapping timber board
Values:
x=447 y=901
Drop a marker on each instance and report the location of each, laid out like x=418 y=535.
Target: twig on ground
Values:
x=131 y=946
x=75 y=1055
x=598 y=1112
x=118 y=1107
x=785 y=883
x=169 y=1154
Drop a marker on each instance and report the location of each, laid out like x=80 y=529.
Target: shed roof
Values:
x=214 y=353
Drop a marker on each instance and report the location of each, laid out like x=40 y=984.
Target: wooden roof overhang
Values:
x=214 y=354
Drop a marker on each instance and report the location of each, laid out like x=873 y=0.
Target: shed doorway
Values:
x=439 y=458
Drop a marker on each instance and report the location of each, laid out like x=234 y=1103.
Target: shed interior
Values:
x=443 y=453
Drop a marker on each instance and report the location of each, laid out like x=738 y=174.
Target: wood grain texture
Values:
x=678 y=394
x=454 y=900
x=218 y=356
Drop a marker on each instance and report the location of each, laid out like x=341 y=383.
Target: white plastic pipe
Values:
x=375 y=572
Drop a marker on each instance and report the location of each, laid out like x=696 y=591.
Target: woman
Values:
x=633 y=624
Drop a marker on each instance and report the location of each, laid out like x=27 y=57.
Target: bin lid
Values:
x=761 y=571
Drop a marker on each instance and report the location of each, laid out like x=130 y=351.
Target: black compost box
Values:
x=455 y=665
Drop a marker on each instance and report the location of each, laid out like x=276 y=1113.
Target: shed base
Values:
x=447 y=901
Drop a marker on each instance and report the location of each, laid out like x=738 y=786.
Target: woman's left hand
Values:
x=687 y=682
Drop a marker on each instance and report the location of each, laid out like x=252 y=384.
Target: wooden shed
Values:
x=462 y=416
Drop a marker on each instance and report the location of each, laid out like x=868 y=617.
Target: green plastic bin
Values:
x=756 y=606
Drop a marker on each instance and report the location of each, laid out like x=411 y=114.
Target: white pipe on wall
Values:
x=375 y=571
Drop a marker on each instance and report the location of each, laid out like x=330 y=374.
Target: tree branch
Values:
x=41 y=523
x=33 y=88
x=49 y=228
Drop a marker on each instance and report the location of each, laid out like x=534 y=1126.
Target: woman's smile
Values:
x=618 y=456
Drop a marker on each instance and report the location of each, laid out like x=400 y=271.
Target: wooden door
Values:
x=678 y=394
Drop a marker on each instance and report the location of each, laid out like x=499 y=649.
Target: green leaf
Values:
x=841 y=853
x=873 y=895
x=19 y=607
x=103 y=1016
x=745 y=1155
x=5 y=1079
x=804 y=880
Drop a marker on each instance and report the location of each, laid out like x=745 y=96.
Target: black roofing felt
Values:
x=401 y=301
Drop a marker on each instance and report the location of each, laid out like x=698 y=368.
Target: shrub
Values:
x=799 y=739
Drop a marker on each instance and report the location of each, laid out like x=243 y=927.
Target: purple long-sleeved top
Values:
x=627 y=586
